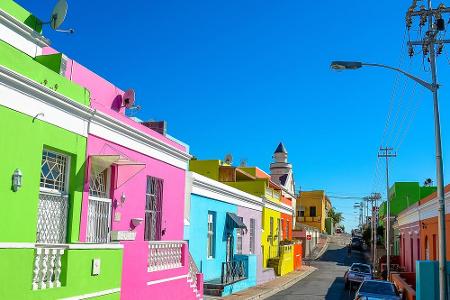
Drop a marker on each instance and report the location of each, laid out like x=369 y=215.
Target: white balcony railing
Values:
x=47 y=268
x=164 y=255
x=276 y=195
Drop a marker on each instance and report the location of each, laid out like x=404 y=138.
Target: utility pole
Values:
x=374 y=224
x=436 y=24
x=387 y=153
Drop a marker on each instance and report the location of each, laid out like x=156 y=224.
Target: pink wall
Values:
x=409 y=246
x=106 y=97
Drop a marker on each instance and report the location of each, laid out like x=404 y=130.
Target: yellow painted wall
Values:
x=269 y=244
x=317 y=199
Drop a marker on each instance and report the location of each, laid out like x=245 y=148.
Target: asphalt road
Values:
x=327 y=282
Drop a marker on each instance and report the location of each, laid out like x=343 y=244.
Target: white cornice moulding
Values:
x=20 y=245
x=422 y=212
x=20 y=36
x=282 y=208
x=213 y=189
x=32 y=99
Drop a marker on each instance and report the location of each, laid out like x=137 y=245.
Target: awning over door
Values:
x=126 y=168
x=233 y=221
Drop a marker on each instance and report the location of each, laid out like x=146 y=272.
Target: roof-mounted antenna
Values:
x=58 y=16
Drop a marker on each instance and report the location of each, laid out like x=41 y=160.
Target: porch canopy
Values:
x=233 y=221
x=126 y=168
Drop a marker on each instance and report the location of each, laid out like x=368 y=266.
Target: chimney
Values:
x=158 y=126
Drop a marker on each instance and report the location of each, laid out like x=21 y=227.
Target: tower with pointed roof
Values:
x=281 y=169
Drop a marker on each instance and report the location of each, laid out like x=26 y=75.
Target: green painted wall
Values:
x=76 y=278
x=22 y=142
x=21 y=14
x=404 y=194
x=21 y=63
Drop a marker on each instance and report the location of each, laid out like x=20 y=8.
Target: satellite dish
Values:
x=228 y=159
x=128 y=99
x=59 y=14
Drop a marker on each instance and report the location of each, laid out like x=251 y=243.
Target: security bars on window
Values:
x=153 y=209
x=99 y=209
x=252 y=236
x=53 y=199
x=239 y=233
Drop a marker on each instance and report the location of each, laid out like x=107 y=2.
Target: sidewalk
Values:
x=272 y=287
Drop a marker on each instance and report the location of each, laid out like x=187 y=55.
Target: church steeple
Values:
x=280 y=154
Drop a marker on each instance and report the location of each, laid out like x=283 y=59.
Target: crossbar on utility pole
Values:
x=387 y=153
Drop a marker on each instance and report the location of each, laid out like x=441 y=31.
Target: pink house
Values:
x=134 y=194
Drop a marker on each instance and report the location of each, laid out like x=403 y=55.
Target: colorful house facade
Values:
x=106 y=183
x=276 y=259
x=46 y=117
x=312 y=208
x=223 y=235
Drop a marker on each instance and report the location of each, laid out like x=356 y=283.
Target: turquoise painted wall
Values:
x=211 y=268
x=427 y=279
x=251 y=263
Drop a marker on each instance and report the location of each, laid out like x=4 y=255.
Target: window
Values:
x=427 y=249
x=239 y=233
x=312 y=211
x=153 y=209
x=99 y=208
x=271 y=227
x=301 y=213
x=280 y=233
x=211 y=234
x=53 y=198
x=282 y=227
x=287 y=229
x=434 y=248
x=252 y=236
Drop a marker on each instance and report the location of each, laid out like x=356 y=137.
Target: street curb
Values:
x=284 y=286
x=324 y=248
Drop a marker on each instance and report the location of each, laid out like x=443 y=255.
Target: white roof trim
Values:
x=22 y=29
x=213 y=189
x=280 y=207
x=32 y=98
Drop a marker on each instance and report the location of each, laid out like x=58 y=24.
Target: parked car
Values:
x=356 y=274
x=377 y=289
x=338 y=230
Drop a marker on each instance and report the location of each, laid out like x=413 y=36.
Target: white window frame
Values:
x=108 y=200
x=211 y=235
x=54 y=192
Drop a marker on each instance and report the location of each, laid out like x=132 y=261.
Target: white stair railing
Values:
x=164 y=255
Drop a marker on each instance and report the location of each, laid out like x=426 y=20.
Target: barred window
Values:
x=252 y=236
x=211 y=234
x=53 y=198
x=53 y=171
x=98 y=185
x=239 y=233
x=153 y=209
x=271 y=227
x=99 y=208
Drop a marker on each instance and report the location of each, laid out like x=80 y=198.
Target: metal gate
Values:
x=52 y=218
x=99 y=218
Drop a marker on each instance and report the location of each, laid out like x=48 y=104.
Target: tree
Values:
x=336 y=216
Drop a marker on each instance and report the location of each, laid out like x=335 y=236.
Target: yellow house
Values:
x=312 y=208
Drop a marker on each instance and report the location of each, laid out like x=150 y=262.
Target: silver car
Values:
x=356 y=274
x=377 y=289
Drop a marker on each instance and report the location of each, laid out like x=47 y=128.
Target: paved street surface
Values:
x=327 y=282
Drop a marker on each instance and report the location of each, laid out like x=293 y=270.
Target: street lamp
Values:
x=433 y=87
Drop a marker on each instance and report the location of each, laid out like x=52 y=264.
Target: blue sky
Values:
x=240 y=76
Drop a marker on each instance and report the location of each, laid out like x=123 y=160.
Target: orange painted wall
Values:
x=287 y=234
x=298 y=254
x=428 y=229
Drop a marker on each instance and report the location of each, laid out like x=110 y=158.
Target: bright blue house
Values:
x=216 y=234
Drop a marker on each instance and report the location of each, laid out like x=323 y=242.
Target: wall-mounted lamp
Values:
x=122 y=198
x=16 y=180
x=136 y=221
